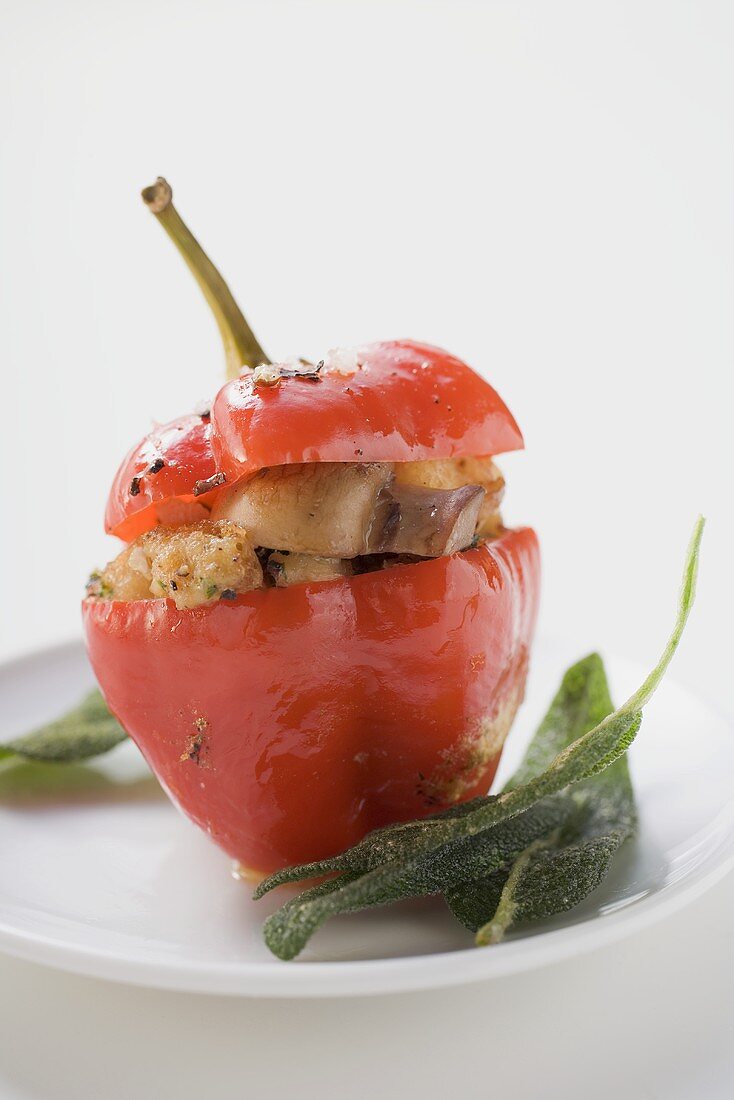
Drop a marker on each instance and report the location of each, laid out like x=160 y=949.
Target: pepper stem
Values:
x=240 y=344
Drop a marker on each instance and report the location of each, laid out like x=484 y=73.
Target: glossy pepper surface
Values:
x=396 y=401
x=290 y=722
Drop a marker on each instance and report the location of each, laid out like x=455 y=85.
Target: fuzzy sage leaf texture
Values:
x=556 y=872
x=559 y=874
x=537 y=844
x=414 y=870
x=85 y=731
x=433 y=871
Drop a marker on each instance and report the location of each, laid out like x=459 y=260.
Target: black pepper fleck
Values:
x=134 y=486
x=156 y=467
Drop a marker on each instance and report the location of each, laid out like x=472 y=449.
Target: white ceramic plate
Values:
x=100 y=875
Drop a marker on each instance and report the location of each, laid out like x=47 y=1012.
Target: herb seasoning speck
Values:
x=209 y=483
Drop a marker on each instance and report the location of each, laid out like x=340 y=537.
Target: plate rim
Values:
x=303 y=979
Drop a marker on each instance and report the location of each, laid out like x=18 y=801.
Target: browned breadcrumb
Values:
x=191 y=565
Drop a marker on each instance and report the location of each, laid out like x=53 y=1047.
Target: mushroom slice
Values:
x=322 y=508
x=346 y=509
x=427 y=522
x=451 y=473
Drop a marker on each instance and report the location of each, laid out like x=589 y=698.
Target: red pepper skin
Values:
x=290 y=722
x=407 y=402
x=184 y=447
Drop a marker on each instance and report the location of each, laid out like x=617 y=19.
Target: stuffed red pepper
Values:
x=319 y=624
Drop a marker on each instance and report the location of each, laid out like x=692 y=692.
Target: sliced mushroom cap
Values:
x=322 y=508
x=452 y=473
x=345 y=510
x=428 y=522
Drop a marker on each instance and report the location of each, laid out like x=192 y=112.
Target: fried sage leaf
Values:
x=599 y=815
x=433 y=871
x=485 y=858
x=425 y=857
x=558 y=874
x=87 y=730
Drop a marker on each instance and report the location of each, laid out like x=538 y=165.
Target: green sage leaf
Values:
x=425 y=857
x=558 y=872
x=87 y=730
x=431 y=872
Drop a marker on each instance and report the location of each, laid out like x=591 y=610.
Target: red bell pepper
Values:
x=404 y=402
x=289 y=722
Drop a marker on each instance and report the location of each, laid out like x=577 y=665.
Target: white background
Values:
x=546 y=189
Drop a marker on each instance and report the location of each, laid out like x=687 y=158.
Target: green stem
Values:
x=240 y=344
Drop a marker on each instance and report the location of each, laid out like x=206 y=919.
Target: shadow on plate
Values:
x=24 y=784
